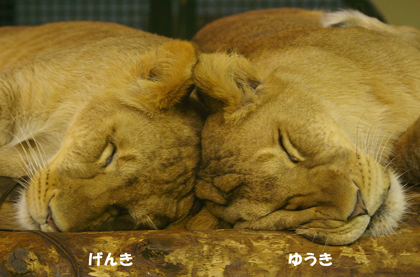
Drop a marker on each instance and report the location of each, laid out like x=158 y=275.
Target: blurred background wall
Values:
x=182 y=18
x=400 y=12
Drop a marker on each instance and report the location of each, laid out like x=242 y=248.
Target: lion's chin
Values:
x=24 y=218
x=345 y=234
x=387 y=217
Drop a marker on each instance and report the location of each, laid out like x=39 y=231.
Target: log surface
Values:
x=209 y=253
x=205 y=253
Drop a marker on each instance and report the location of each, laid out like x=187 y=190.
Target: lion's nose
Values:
x=360 y=208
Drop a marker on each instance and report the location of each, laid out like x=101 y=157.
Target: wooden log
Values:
x=204 y=253
x=209 y=253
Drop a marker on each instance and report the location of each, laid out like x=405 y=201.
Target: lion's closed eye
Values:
x=108 y=155
x=288 y=149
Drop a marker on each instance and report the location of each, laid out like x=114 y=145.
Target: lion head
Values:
x=131 y=135
x=301 y=131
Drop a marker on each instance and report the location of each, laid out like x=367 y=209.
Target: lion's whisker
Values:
x=42 y=157
x=401 y=174
x=24 y=183
x=384 y=146
x=390 y=161
x=24 y=167
x=378 y=149
x=378 y=142
x=150 y=222
x=369 y=132
x=33 y=162
x=36 y=157
x=27 y=167
x=357 y=131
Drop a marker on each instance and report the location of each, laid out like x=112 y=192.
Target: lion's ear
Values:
x=164 y=75
x=226 y=82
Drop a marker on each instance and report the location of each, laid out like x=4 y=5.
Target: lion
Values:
x=98 y=115
x=303 y=128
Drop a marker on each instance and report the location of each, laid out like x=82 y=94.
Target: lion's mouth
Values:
x=50 y=221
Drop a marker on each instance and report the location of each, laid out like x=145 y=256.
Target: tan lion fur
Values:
x=241 y=29
x=308 y=142
x=99 y=116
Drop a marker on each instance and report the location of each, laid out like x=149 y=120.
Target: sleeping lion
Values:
x=98 y=116
x=303 y=129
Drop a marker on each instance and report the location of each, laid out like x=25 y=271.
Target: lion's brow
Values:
x=127 y=158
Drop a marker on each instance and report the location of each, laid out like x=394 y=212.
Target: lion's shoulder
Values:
x=23 y=42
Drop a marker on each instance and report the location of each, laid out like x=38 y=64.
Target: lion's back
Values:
x=237 y=30
x=22 y=42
